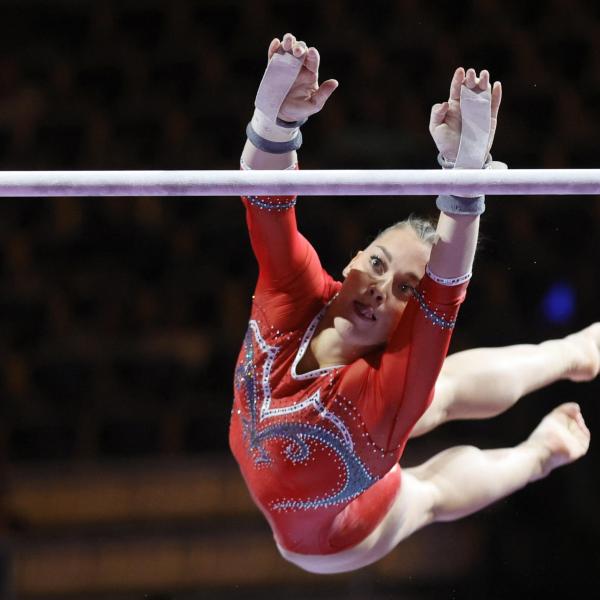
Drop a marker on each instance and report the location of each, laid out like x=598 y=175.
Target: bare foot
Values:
x=561 y=438
x=585 y=353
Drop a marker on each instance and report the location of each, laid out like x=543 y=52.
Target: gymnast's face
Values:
x=377 y=286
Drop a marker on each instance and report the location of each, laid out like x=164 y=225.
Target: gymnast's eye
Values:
x=404 y=288
x=377 y=264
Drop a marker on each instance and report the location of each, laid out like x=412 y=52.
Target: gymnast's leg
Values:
x=484 y=382
x=465 y=479
x=458 y=482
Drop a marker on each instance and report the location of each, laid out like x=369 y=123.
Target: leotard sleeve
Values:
x=290 y=271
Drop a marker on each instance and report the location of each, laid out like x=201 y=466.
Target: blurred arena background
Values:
x=121 y=319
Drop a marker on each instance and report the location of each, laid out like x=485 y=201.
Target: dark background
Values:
x=121 y=318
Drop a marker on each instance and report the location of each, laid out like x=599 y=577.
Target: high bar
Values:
x=306 y=183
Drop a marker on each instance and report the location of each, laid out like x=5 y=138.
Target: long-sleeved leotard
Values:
x=319 y=450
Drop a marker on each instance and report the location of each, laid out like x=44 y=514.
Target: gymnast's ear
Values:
x=350 y=264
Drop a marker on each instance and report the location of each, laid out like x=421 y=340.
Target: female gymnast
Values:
x=333 y=378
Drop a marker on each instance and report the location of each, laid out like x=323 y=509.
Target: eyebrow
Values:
x=411 y=276
x=384 y=250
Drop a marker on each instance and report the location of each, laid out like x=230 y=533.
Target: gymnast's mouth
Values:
x=364 y=311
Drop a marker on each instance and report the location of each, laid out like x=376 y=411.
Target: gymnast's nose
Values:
x=377 y=293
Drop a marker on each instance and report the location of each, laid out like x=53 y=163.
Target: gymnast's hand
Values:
x=445 y=122
x=306 y=97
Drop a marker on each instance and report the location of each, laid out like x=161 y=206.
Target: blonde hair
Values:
x=423 y=228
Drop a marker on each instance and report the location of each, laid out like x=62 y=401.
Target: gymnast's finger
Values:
x=438 y=114
x=496 y=98
x=273 y=47
x=457 y=81
x=288 y=42
x=299 y=49
x=322 y=94
x=484 y=80
x=470 y=79
x=312 y=60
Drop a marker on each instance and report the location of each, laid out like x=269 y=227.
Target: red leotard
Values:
x=319 y=451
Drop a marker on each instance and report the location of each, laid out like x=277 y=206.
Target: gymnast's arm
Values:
x=454 y=251
x=415 y=353
x=280 y=250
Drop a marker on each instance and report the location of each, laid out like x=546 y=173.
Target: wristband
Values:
x=271 y=147
x=457 y=205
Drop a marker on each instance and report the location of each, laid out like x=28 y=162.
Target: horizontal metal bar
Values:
x=307 y=183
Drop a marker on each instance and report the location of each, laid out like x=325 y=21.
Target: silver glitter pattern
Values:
x=264 y=424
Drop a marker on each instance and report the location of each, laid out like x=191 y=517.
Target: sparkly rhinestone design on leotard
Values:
x=432 y=315
x=264 y=423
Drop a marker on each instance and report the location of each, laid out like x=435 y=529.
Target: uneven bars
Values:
x=305 y=183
